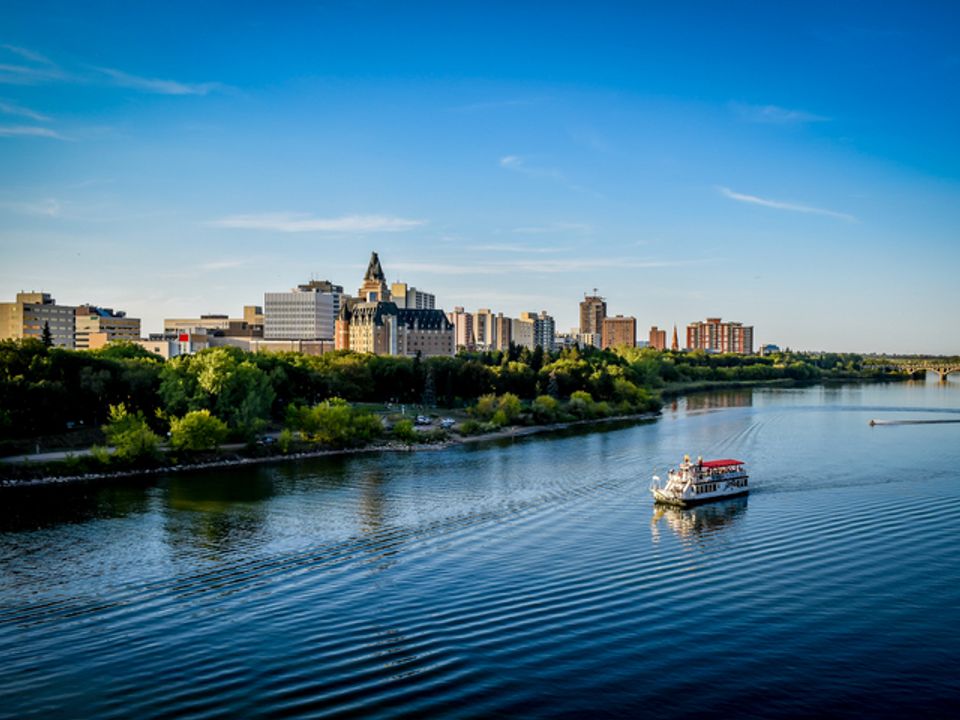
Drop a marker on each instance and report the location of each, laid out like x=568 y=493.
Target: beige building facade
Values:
x=27 y=316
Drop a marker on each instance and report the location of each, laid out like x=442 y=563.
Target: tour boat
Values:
x=701 y=481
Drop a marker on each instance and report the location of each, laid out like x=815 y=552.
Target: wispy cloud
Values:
x=48 y=207
x=517 y=163
x=780 y=205
x=26 y=67
x=504 y=247
x=30 y=55
x=29 y=131
x=8 y=108
x=554 y=227
x=27 y=75
x=158 y=86
x=302 y=222
x=522 y=165
x=537 y=266
x=775 y=115
x=224 y=264
x=495 y=105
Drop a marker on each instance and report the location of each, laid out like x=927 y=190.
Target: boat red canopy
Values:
x=721 y=463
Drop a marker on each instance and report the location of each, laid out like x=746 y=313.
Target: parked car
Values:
x=423 y=420
x=447 y=423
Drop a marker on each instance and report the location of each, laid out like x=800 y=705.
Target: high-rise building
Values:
x=409 y=298
x=619 y=331
x=713 y=335
x=96 y=326
x=27 y=316
x=308 y=312
x=504 y=331
x=658 y=338
x=535 y=330
x=463 y=332
x=593 y=309
x=485 y=329
x=522 y=328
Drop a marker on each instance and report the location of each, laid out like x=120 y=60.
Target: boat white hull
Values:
x=666 y=498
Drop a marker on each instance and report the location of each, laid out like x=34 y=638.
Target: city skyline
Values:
x=169 y=162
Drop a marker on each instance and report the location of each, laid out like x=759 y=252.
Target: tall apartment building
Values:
x=619 y=331
x=96 y=326
x=463 y=331
x=712 y=335
x=658 y=338
x=593 y=309
x=537 y=330
x=30 y=312
x=504 y=331
x=522 y=328
x=307 y=312
x=409 y=298
x=486 y=330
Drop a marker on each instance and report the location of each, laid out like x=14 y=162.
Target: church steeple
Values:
x=675 y=345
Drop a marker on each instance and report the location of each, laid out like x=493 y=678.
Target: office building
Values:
x=27 y=316
x=307 y=312
x=96 y=326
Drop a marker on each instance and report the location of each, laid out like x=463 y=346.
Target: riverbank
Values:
x=43 y=477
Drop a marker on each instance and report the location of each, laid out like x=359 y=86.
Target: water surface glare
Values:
x=531 y=578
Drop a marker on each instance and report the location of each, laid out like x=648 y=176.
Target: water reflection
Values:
x=720 y=399
x=698 y=525
x=215 y=513
x=33 y=508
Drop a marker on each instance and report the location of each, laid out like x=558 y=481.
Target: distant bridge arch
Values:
x=941 y=367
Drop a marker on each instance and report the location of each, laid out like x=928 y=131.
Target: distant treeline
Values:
x=46 y=391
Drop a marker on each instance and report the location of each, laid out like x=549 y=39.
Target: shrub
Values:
x=470 y=427
x=197 y=430
x=545 y=409
x=130 y=435
x=404 y=432
x=285 y=440
x=581 y=405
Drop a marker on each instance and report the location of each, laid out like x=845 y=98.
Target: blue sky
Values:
x=795 y=168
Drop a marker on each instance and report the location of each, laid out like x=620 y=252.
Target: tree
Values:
x=553 y=387
x=47 y=336
x=334 y=422
x=130 y=435
x=429 y=392
x=545 y=409
x=197 y=430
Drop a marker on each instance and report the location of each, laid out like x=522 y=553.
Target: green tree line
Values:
x=47 y=390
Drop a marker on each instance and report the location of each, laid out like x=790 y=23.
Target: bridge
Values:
x=941 y=366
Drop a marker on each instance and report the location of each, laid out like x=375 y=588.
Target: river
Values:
x=532 y=578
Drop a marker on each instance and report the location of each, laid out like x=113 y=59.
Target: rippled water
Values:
x=528 y=578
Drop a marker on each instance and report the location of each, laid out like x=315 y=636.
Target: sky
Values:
x=792 y=166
